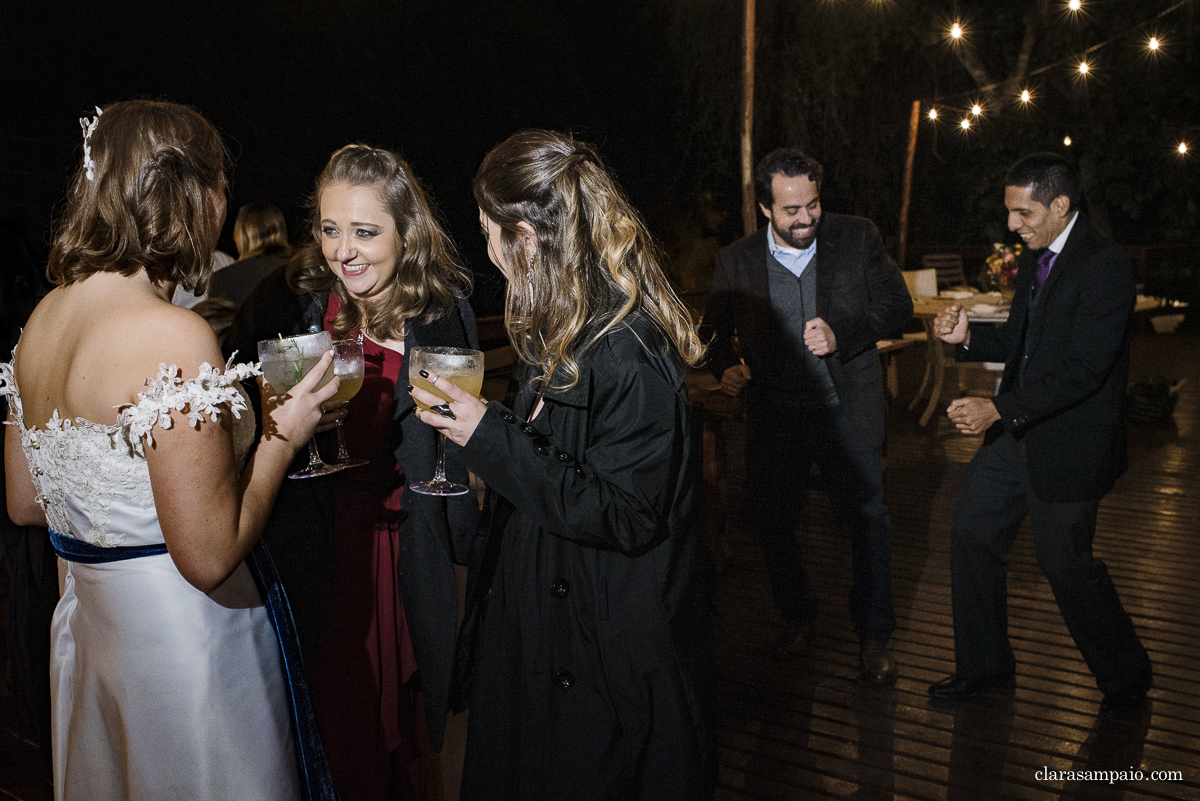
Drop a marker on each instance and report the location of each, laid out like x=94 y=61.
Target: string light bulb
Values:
x=1075 y=5
x=965 y=124
x=976 y=110
x=1083 y=68
x=1153 y=44
x=1026 y=96
x=933 y=114
x=1182 y=149
x=1067 y=141
x=956 y=31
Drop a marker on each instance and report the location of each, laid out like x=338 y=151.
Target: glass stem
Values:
x=343 y=455
x=314 y=458
x=439 y=473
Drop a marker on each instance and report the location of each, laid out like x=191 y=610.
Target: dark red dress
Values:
x=364 y=675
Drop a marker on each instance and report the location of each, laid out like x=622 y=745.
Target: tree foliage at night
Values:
x=837 y=78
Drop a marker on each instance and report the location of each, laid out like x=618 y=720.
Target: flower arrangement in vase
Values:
x=1000 y=267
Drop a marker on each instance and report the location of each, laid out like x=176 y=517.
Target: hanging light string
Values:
x=1082 y=65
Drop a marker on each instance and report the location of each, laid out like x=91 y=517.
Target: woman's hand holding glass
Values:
x=296 y=414
x=468 y=410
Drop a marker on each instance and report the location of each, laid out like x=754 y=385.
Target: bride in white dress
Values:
x=167 y=678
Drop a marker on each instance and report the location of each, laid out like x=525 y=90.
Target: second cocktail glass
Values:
x=462 y=367
x=348 y=366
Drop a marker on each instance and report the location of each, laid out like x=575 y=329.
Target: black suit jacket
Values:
x=1070 y=405
x=860 y=294
x=237 y=281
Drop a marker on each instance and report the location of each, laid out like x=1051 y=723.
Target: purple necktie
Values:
x=1044 y=263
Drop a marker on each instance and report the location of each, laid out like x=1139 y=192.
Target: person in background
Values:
x=795 y=311
x=587 y=655
x=167 y=678
x=188 y=299
x=260 y=234
x=369 y=565
x=1054 y=442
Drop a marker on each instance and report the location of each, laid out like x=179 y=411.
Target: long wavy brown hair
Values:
x=594 y=264
x=152 y=202
x=429 y=279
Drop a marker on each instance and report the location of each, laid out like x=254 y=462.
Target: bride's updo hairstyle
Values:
x=144 y=197
x=595 y=262
x=429 y=277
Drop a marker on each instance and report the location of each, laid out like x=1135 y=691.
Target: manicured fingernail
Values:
x=423 y=373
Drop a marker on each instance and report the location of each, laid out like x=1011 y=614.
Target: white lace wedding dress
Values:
x=160 y=692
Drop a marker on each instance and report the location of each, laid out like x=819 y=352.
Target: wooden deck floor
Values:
x=808 y=730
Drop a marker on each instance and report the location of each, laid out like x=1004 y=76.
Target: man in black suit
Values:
x=795 y=311
x=1054 y=444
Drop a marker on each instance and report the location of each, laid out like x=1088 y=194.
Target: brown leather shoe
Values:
x=876 y=665
x=794 y=640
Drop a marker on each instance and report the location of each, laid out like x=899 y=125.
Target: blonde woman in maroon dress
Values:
x=368 y=565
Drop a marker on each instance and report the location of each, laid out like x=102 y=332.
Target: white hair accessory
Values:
x=88 y=164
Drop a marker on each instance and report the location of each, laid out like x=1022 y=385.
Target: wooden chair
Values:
x=921 y=282
x=949 y=267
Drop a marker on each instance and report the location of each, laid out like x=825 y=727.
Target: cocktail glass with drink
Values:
x=462 y=367
x=285 y=362
x=347 y=366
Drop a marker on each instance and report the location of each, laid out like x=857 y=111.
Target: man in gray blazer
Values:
x=795 y=311
x=1054 y=442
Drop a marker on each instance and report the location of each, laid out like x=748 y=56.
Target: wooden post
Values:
x=749 y=215
x=906 y=195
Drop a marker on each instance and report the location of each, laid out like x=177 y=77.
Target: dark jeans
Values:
x=996 y=496
x=782 y=447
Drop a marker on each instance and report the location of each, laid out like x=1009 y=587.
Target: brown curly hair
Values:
x=159 y=168
x=429 y=278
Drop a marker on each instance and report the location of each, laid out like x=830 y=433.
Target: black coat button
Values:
x=508 y=417
x=579 y=471
x=560 y=588
x=527 y=429
x=564 y=457
x=564 y=679
x=542 y=450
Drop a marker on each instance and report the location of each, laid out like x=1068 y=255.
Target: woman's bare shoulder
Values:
x=166 y=334
x=86 y=359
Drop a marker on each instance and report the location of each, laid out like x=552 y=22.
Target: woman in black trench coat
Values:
x=587 y=648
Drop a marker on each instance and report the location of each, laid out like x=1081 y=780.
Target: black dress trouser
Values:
x=996 y=496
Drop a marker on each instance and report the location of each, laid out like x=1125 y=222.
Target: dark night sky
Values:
x=287 y=83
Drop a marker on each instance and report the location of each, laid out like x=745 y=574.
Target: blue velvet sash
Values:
x=316 y=784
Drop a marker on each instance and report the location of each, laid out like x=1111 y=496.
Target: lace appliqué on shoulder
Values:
x=8 y=387
x=200 y=396
x=84 y=472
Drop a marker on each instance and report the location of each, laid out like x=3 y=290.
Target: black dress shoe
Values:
x=794 y=640
x=953 y=688
x=1125 y=702
x=875 y=662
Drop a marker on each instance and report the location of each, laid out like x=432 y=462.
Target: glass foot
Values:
x=347 y=463
x=439 y=487
x=314 y=470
